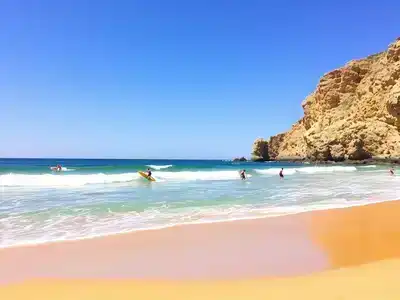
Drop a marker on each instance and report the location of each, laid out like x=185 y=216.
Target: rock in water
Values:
x=239 y=159
x=354 y=113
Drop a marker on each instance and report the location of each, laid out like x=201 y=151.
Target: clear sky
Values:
x=170 y=79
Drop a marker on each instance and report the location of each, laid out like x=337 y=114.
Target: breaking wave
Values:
x=60 y=180
x=306 y=170
x=156 y=167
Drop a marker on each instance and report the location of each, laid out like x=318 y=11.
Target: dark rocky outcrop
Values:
x=239 y=159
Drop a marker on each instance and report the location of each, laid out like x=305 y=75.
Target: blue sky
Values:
x=170 y=79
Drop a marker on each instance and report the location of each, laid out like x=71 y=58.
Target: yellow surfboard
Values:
x=143 y=174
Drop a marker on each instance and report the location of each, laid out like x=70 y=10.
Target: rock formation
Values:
x=354 y=114
x=239 y=159
x=260 y=150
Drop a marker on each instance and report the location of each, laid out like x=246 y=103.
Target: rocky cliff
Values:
x=260 y=150
x=354 y=113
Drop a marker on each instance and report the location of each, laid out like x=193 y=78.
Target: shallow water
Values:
x=100 y=197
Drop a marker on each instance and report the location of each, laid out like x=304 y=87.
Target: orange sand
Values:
x=377 y=281
x=314 y=245
x=358 y=235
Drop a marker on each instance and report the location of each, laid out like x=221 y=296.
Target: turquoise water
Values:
x=100 y=197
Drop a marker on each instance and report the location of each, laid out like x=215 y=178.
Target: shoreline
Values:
x=344 y=253
x=162 y=227
x=286 y=246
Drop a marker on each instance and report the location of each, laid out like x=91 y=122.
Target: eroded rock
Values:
x=354 y=113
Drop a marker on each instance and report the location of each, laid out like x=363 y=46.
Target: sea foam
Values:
x=159 y=167
x=66 y=180
x=306 y=170
x=59 y=180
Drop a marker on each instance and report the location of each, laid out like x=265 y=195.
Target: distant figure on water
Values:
x=281 y=173
x=391 y=171
x=57 y=168
x=243 y=174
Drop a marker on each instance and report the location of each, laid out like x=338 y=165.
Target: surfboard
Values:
x=143 y=174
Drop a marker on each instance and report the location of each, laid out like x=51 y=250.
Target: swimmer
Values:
x=391 y=171
x=281 y=173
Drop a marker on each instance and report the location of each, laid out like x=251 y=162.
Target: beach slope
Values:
x=350 y=253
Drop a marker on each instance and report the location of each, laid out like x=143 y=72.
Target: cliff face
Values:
x=260 y=150
x=354 y=113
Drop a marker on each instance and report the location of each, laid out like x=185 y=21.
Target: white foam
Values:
x=329 y=169
x=68 y=180
x=65 y=169
x=115 y=223
x=307 y=170
x=63 y=180
x=198 y=175
x=367 y=167
x=159 y=167
x=275 y=171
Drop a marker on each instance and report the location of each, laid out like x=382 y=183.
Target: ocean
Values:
x=96 y=197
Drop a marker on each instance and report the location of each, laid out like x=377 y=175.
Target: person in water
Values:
x=281 y=173
x=58 y=168
x=243 y=174
x=391 y=171
x=148 y=172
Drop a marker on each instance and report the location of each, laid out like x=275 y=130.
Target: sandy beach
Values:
x=236 y=150
x=349 y=253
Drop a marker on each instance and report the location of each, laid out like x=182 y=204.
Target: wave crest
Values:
x=198 y=175
x=52 y=180
x=306 y=170
x=76 y=180
x=159 y=167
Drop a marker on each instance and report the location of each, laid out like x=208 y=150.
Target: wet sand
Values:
x=347 y=251
x=231 y=250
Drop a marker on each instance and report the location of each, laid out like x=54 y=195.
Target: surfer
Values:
x=243 y=174
x=281 y=173
x=391 y=171
x=57 y=168
x=148 y=172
